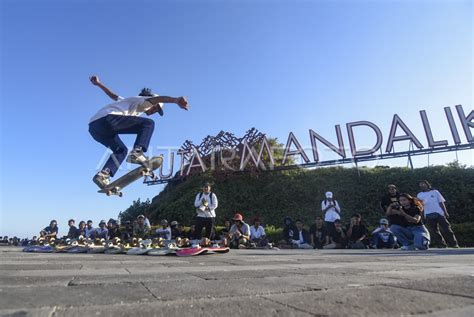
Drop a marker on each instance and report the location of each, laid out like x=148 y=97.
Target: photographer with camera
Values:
x=206 y=204
x=407 y=223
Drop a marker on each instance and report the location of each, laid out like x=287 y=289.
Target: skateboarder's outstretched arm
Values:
x=180 y=101
x=96 y=82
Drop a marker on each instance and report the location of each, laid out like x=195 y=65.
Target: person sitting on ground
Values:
x=81 y=229
x=382 y=237
x=192 y=235
x=357 y=233
x=174 y=229
x=102 y=232
x=73 y=232
x=318 y=233
x=258 y=237
x=225 y=231
x=391 y=197
x=436 y=216
x=165 y=231
x=127 y=232
x=289 y=233
x=302 y=239
x=412 y=234
x=337 y=238
x=140 y=230
x=239 y=234
x=331 y=210
x=113 y=230
x=90 y=230
x=51 y=231
x=181 y=236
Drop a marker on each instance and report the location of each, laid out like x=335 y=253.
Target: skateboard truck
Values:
x=114 y=191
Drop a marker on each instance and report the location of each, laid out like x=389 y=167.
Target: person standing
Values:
x=436 y=216
x=331 y=210
x=391 y=197
x=206 y=205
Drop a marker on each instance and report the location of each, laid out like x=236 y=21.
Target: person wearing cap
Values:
x=101 y=232
x=206 y=204
x=140 y=230
x=90 y=230
x=382 y=237
x=123 y=117
x=393 y=196
x=436 y=216
x=51 y=231
x=239 y=233
x=165 y=231
x=331 y=210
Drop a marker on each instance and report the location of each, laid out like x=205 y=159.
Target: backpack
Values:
x=210 y=196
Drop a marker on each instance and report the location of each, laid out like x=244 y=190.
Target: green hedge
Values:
x=298 y=193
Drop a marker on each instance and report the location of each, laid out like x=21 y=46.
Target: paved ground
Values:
x=242 y=282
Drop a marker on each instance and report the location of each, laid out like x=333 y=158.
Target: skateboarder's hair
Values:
x=146 y=92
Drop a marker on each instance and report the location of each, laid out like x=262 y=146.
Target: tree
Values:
x=137 y=208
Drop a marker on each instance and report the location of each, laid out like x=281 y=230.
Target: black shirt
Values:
x=337 y=236
x=73 y=232
x=319 y=234
x=387 y=200
x=413 y=211
x=290 y=232
x=358 y=232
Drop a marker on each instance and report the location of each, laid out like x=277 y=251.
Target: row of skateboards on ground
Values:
x=133 y=247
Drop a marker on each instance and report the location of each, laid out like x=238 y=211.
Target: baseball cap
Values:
x=328 y=194
x=238 y=216
x=164 y=222
x=383 y=221
x=141 y=216
x=174 y=223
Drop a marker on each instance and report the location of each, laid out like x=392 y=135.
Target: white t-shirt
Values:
x=256 y=233
x=208 y=211
x=131 y=106
x=431 y=200
x=332 y=213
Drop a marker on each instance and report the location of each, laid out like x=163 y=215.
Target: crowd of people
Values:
x=409 y=223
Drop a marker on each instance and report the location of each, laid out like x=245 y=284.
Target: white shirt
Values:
x=201 y=209
x=332 y=213
x=256 y=233
x=131 y=106
x=431 y=200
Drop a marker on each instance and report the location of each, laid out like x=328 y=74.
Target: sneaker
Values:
x=137 y=157
x=407 y=248
x=101 y=179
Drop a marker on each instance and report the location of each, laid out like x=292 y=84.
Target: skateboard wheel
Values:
x=120 y=194
x=108 y=193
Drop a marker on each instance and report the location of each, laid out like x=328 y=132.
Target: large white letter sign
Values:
x=299 y=149
x=350 y=133
x=314 y=136
x=429 y=134
x=397 y=121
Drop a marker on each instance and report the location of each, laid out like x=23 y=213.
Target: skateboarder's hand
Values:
x=182 y=103
x=94 y=80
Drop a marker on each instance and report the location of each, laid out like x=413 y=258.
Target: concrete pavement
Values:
x=438 y=282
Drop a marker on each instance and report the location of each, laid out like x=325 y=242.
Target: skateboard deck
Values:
x=116 y=186
x=138 y=251
x=162 y=251
x=78 y=249
x=114 y=250
x=191 y=251
x=39 y=249
x=217 y=250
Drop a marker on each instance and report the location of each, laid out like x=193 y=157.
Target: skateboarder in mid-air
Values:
x=123 y=117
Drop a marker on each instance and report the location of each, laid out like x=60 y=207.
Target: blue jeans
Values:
x=416 y=236
x=106 y=131
x=379 y=242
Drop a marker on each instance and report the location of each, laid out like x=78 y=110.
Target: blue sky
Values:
x=280 y=66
